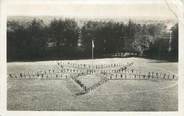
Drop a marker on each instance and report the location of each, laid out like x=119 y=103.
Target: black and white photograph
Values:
x=92 y=57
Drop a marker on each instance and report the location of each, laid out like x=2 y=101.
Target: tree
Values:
x=16 y=43
x=32 y=39
x=65 y=34
x=142 y=43
x=36 y=39
x=174 y=41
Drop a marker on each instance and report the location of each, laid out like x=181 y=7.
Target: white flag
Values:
x=93 y=45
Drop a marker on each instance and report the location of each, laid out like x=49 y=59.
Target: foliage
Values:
x=174 y=42
x=67 y=39
x=142 y=43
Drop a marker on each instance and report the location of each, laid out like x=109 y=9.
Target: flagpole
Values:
x=92 y=45
x=170 y=39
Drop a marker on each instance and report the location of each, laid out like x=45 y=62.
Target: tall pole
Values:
x=170 y=39
x=92 y=48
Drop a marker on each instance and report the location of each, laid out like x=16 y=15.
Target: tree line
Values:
x=71 y=39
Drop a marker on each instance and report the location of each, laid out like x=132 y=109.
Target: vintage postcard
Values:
x=92 y=56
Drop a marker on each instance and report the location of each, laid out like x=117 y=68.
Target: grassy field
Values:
x=115 y=95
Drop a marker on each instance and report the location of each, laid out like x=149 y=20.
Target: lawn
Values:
x=114 y=95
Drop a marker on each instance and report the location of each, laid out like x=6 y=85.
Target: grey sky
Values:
x=115 y=10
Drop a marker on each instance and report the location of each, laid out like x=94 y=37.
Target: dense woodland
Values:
x=69 y=39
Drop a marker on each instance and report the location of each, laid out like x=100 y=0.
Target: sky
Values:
x=157 y=9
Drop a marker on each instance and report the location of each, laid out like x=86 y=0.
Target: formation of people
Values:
x=111 y=71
